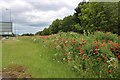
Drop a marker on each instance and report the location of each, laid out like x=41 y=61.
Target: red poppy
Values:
x=96 y=47
x=83 y=41
x=116 y=45
x=81 y=52
x=95 y=51
x=65 y=54
x=109 y=41
x=65 y=41
x=114 y=49
x=68 y=59
x=65 y=45
x=98 y=59
x=105 y=57
x=119 y=56
x=78 y=48
x=85 y=56
x=109 y=71
x=44 y=36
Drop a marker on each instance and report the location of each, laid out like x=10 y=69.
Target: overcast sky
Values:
x=30 y=16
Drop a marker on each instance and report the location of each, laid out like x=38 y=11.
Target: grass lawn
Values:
x=36 y=57
x=64 y=55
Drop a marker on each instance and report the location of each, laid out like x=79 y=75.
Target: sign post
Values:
x=6 y=29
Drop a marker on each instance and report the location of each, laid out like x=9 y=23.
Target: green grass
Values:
x=36 y=57
x=44 y=58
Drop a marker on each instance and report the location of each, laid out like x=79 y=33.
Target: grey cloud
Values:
x=39 y=24
x=24 y=22
x=48 y=7
x=20 y=29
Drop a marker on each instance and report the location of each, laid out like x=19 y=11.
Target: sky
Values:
x=31 y=16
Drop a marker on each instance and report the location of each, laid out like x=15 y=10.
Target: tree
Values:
x=67 y=23
x=55 y=26
x=88 y=16
x=45 y=32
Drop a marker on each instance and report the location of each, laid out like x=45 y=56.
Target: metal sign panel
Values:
x=5 y=28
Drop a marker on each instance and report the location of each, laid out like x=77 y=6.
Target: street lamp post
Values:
x=10 y=18
x=9 y=13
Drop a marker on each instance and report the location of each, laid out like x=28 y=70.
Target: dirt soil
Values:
x=14 y=72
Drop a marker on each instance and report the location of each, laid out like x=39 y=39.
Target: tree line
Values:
x=88 y=16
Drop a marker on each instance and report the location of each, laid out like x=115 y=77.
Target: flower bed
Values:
x=97 y=53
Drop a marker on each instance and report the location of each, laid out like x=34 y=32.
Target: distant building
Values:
x=6 y=29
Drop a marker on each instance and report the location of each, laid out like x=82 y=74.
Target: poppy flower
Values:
x=98 y=59
x=95 y=51
x=119 y=56
x=109 y=71
x=68 y=59
x=81 y=52
x=78 y=48
x=85 y=56
x=105 y=57
x=65 y=41
x=83 y=41
x=116 y=45
x=114 y=49
x=109 y=41
x=96 y=47
x=65 y=45
x=65 y=54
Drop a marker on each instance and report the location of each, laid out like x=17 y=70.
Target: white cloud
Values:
x=34 y=15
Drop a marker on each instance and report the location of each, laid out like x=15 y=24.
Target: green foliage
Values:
x=90 y=16
x=55 y=26
x=36 y=55
x=96 y=53
x=65 y=55
x=27 y=34
x=99 y=15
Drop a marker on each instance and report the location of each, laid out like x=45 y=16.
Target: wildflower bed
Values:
x=89 y=55
x=65 y=55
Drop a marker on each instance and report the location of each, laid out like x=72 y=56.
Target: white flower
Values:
x=109 y=66
x=63 y=58
x=34 y=40
x=108 y=61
